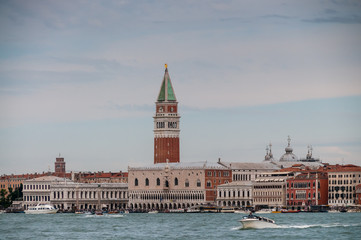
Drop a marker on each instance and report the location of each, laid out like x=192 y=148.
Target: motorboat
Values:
x=241 y=211
x=153 y=212
x=289 y=211
x=227 y=210
x=264 y=211
x=179 y=210
x=253 y=221
x=41 y=209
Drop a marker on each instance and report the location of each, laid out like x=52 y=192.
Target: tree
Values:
x=4 y=201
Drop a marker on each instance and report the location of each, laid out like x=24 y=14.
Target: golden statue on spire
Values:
x=166 y=66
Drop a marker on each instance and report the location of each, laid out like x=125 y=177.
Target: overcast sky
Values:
x=80 y=78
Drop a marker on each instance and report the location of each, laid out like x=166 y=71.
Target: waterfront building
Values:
x=175 y=185
x=235 y=194
x=69 y=195
x=37 y=190
x=269 y=189
x=238 y=193
x=13 y=181
x=309 y=188
x=342 y=182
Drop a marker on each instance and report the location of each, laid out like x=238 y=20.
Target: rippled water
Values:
x=178 y=226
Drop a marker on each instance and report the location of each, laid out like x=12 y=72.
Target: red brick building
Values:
x=310 y=188
x=59 y=167
x=358 y=194
x=213 y=178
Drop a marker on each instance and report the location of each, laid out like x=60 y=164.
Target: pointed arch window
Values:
x=158 y=182
x=186 y=184
x=136 y=182
x=146 y=182
x=166 y=183
x=176 y=182
x=199 y=183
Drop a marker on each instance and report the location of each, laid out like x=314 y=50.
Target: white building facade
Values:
x=89 y=196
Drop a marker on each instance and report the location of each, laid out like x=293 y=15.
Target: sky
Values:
x=80 y=79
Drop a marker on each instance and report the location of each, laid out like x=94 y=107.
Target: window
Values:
x=166 y=183
x=198 y=183
x=146 y=182
x=158 y=182
x=136 y=182
x=186 y=184
x=209 y=174
x=209 y=184
x=225 y=174
x=176 y=182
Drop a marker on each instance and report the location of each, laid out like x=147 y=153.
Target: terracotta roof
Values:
x=343 y=168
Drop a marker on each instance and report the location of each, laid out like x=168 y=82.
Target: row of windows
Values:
x=268 y=193
x=3 y=186
x=303 y=195
x=36 y=187
x=37 y=198
x=268 y=186
x=234 y=193
x=170 y=124
x=341 y=201
x=342 y=196
x=267 y=200
x=210 y=174
x=166 y=182
x=303 y=185
x=342 y=188
x=346 y=176
x=89 y=194
x=170 y=196
x=242 y=177
x=341 y=182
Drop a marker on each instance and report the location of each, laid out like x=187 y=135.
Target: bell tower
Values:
x=166 y=123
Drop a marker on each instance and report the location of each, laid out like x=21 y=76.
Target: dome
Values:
x=288 y=156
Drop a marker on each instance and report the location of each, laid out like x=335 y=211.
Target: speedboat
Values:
x=41 y=209
x=264 y=211
x=253 y=221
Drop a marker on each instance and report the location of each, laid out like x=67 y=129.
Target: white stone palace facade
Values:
x=37 y=190
x=69 y=195
x=175 y=185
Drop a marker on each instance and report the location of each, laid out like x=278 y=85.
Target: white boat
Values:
x=179 y=210
x=41 y=209
x=193 y=210
x=264 y=211
x=253 y=221
x=227 y=210
x=153 y=212
x=241 y=211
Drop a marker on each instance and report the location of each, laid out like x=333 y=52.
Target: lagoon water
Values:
x=178 y=226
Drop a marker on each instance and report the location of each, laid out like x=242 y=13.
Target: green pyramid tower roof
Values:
x=166 y=91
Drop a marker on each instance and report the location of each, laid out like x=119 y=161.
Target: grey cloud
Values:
x=344 y=20
x=130 y=107
x=277 y=16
